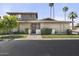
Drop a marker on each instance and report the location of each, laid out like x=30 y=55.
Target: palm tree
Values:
x=65 y=9
x=51 y=5
x=72 y=16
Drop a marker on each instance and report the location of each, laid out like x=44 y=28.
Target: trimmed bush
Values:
x=26 y=31
x=19 y=32
x=4 y=33
x=46 y=31
x=69 y=31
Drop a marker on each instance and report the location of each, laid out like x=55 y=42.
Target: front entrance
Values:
x=34 y=26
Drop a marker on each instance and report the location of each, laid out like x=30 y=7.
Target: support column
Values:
x=29 y=31
x=53 y=31
x=38 y=31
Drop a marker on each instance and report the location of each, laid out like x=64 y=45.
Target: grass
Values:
x=60 y=36
x=12 y=36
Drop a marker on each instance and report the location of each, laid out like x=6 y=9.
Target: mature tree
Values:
x=51 y=5
x=65 y=9
x=2 y=26
x=10 y=22
x=72 y=16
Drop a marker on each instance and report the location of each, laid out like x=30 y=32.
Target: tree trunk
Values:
x=53 y=12
x=18 y=27
x=72 y=24
x=50 y=12
x=10 y=32
x=65 y=16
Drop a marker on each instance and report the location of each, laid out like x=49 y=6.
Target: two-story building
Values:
x=30 y=20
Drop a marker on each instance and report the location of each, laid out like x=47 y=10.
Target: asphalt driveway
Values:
x=39 y=48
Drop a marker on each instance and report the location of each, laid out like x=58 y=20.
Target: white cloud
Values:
x=5 y=8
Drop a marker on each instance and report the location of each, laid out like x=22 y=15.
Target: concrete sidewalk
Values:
x=60 y=38
x=34 y=37
x=39 y=37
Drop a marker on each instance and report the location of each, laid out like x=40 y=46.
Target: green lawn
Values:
x=60 y=36
x=13 y=36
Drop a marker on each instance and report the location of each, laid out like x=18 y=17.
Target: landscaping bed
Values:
x=60 y=36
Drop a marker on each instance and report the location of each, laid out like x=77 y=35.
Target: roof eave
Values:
x=48 y=21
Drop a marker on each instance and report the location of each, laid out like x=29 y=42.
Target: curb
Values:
x=48 y=39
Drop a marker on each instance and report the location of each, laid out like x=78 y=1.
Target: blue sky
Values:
x=41 y=8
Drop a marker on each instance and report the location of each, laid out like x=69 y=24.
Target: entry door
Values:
x=34 y=26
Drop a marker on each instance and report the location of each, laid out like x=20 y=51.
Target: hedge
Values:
x=46 y=31
x=16 y=32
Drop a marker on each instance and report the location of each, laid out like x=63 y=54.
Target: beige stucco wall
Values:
x=59 y=27
x=23 y=26
x=28 y=17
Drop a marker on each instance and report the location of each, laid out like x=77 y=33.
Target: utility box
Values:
x=29 y=31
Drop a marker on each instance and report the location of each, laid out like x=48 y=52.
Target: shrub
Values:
x=46 y=31
x=26 y=30
x=69 y=31
x=21 y=32
x=17 y=32
x=4 y=33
